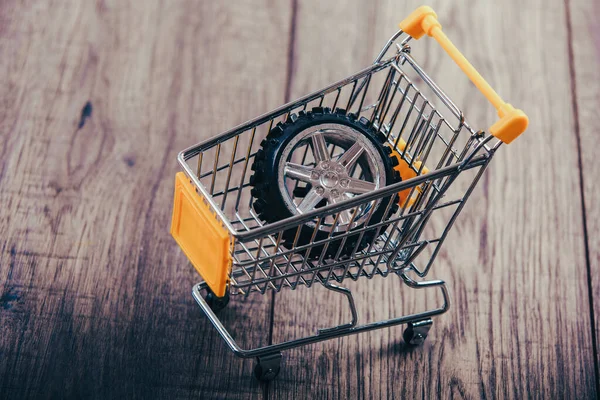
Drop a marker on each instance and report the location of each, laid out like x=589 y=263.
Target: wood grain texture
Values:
x=584 y=25
x=515 y=262
x=98 y=98
x=95 y=294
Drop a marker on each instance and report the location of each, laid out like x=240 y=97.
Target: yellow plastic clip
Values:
x=201 y=235
x=407 y=172
x=512 y=121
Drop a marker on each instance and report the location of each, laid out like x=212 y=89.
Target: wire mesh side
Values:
x=383 y=247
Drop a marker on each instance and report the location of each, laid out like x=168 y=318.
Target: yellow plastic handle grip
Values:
x=512 y=121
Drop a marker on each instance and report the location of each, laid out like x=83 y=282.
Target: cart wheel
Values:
x=416 y=332
x=267 y=367
x=319 y=158
x=413 y=338
x=216 y=303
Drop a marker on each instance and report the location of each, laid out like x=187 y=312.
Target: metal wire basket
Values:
x=441 y=160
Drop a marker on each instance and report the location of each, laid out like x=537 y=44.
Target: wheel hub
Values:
x=332 y=176
x=330 y=179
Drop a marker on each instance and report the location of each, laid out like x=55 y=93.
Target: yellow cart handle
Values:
x=512 y=121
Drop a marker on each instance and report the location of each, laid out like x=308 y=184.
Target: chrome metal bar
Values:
x=228 y=179
x=199 y=168
x=389 y=43
x=243 y=177
x=384 y=94
x=214 y=173
x=364 y=198
x=367 y=81
x=322 y=334
x=353 y=311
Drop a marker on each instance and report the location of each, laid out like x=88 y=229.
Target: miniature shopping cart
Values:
x=363 y=178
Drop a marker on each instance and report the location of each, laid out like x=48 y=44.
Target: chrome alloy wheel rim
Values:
x=335 y=163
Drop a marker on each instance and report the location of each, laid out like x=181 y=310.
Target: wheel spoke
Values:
x=309 y=202
x=358 y=186
x=345 y=215
x=319 y=147
x=297 y=171
x=350 y=156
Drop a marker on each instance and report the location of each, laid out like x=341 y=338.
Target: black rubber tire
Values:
x=269 y=203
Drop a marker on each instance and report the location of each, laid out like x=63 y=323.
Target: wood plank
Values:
x=95 y=299
x=584 y=53
x=515 y=261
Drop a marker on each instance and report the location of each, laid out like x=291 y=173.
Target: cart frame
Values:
x=260 y=263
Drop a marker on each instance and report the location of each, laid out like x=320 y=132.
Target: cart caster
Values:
x=216 y=303
x=416 y=332
x=267 y=367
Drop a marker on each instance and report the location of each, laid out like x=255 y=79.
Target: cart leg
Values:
x=348 y=295
x=267 y=367
x=416 y=332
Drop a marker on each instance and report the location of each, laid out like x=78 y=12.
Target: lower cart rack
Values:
x=268 y=358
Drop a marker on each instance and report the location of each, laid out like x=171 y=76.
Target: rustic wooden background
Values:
x=97 y=98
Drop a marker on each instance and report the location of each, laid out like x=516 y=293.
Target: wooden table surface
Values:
x=97 y=98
